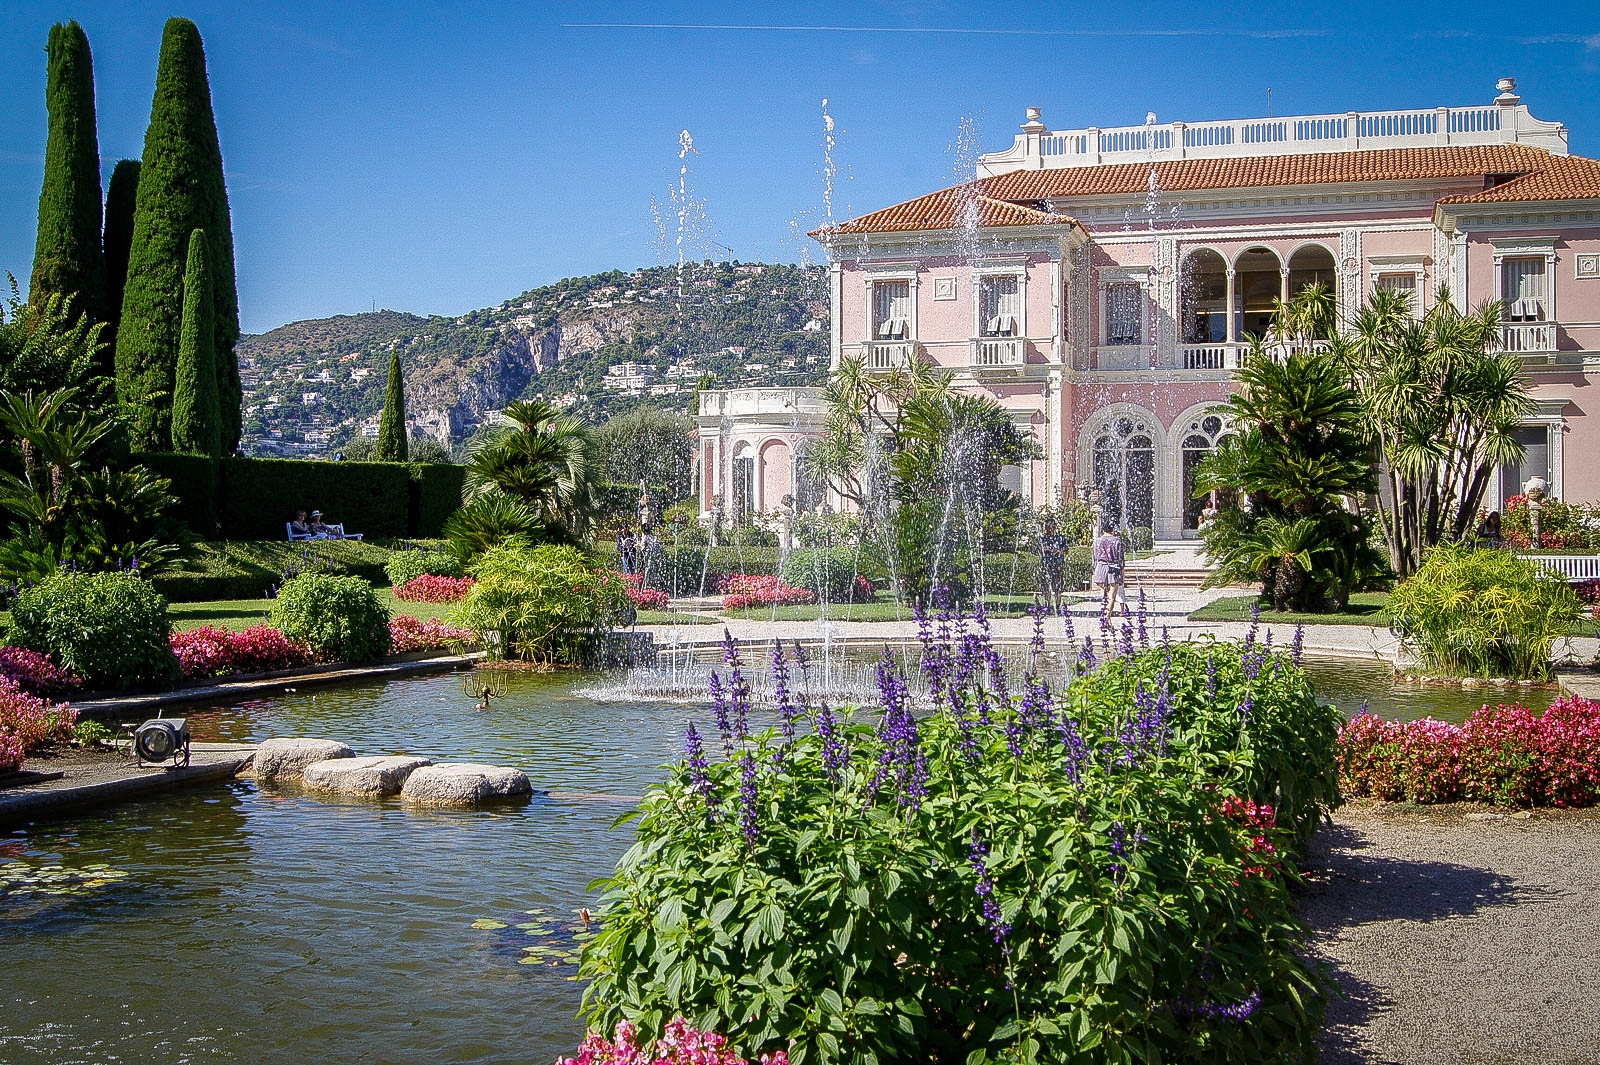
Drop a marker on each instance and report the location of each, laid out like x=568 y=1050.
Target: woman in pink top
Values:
x=1108 y=559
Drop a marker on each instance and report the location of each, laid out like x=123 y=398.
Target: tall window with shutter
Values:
x=1522 y=282
x=1124 y=314
x=891 y=310
x=999 y=306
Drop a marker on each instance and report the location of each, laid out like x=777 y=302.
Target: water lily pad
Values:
x=487 y=924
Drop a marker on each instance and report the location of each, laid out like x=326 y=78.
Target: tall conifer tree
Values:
x=392 y=443
x=180 y=190
x=195 y=414
x=120 y=195
x=67 y=259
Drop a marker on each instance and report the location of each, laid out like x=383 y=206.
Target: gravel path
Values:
x=1459 y=940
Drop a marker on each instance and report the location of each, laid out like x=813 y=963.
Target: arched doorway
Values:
x=1125 y=471
x=1203 y=434
x=742 y=502
x=1258 y=285
x=1203 y=283
x=775 y=480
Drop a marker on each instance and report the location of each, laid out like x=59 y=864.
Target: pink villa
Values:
x=1100 y=284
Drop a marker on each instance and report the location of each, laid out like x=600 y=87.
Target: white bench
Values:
x=1572 y=568
x=288 y=527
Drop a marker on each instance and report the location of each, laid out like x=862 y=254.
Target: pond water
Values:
x=238 y=923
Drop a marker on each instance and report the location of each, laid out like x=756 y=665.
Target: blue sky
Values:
x=438 y=157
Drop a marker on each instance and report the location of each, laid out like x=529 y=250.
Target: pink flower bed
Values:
x=35 y=673
x=209 y=652
x=407 y=633
x=28 y=723
x=1506 y=755
x=431 y=589
x=641 y=597
x=740 y=591
x=680 y=1044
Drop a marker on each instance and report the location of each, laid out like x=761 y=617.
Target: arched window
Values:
x=1125 y=471
x=1203 y=435
x=1258 y=284
x=1203 y=283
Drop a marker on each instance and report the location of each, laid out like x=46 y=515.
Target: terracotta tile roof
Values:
x=948 y=209
x=1562 y=177
x=1386 y=164
x=1015 y=199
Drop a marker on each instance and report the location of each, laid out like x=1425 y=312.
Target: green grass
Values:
x=1365 y=608
x=236 y=614
x=674 y=617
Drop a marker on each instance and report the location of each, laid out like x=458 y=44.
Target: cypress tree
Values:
x=180 y=190
x=392 y=443
x=67 y=259
x=118 y=238
x=195 y=414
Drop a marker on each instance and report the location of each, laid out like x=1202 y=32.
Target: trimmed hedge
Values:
x=251 y=499
x=249 y=570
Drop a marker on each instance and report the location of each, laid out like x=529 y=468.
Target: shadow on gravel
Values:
x=1347 y=886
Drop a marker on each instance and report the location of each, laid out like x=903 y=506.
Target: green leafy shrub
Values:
x=828 y=571
x=539 y=604
x=1141 y=538
x=1483 y=613
x=1077 y=880
x=252 y=569
x=680 y=570
x=340 y=618
x=742 y=559
x=411 y=563
x=110 y=628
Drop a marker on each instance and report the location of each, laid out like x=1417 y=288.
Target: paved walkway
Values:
x=96 y=778
x=1164 y=607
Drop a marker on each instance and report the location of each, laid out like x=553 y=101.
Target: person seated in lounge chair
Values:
x=299 y=528
x=323 y=531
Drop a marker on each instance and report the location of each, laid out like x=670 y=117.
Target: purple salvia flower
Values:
x=1211 y=678
x=1075 y=752
x=730 y=649
x=1255 y=624
x=834 y=755
x=1144 y=613
x=1247 y=707
x=977 y=854
x=1036 y=642
x=699 y=780
x=1066 y=624
x=749 y=820
x=1086 y=659
x=1298 y=646
x=1126 y=647
x=719 y=709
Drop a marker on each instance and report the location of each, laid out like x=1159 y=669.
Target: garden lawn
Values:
x=236 y=614
x=1365 y=608
x=674 y=617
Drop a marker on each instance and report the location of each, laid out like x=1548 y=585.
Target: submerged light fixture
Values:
x=162 y=741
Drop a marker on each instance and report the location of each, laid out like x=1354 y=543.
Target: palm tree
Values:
x=542 y=459
x=1440 y=407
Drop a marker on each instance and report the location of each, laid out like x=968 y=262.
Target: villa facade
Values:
x=1101 y=284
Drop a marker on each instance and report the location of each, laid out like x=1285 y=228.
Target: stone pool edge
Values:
x=123 y=707
x=60 y=798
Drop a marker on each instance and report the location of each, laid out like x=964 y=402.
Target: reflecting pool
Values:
x=237 y=923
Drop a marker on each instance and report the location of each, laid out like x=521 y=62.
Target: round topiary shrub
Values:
x=1141 y=538
x=340 y=618
x=111 y=629
x=405 y=566
x=830 y=572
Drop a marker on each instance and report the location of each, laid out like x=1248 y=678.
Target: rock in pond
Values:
x=369 y=777
x=282 y=758
x=464 y=784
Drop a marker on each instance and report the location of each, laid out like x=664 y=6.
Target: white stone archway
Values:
x=1122 y=450
x=1195 y=433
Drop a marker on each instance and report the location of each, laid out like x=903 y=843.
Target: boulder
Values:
x=376 y=777
x=464 y=784
x=287 y=758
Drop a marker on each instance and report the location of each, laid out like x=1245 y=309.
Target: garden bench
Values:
x=1573 y=568
x=288 y=527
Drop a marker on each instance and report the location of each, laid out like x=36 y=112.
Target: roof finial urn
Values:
x=1034 y=123
x=1508 y=90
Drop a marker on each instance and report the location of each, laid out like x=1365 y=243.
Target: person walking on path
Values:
x=1053 y=556
x=627 y=552
x=1109 y=556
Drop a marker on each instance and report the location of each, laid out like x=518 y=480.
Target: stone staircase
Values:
x=1177 y=564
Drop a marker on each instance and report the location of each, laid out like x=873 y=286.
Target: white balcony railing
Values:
x=1209 y=356
x=1528 y=338
x=888 y=354
x=997 y=353
x=1505 y=121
